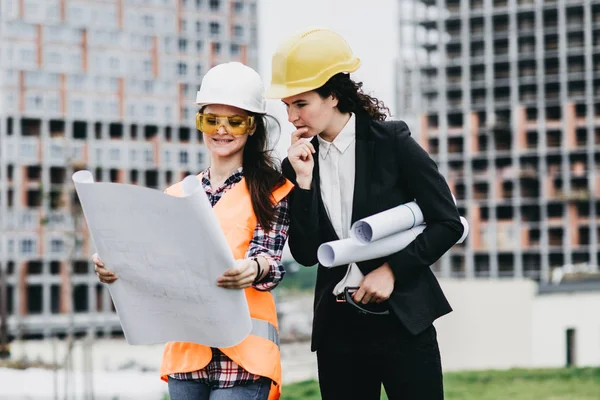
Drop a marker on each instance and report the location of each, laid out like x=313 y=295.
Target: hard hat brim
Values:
x=281 y=91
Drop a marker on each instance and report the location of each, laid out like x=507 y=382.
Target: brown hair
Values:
x=261 y=173
x=351 y=98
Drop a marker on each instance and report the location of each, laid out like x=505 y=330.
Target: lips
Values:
x=222 y=141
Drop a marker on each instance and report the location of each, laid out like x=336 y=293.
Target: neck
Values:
x=221 y=168
x=338 y=123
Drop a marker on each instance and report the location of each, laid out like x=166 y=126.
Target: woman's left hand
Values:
x=376 y=286
x=240 y=277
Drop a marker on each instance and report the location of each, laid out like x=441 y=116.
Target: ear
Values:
x=252 y=130
x=334 y=100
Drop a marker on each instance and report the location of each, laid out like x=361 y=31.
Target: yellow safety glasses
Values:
x=234 y=124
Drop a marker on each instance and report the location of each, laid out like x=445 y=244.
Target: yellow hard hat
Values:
x=307 y=60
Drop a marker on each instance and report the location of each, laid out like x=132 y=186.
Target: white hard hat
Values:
x=233 y=84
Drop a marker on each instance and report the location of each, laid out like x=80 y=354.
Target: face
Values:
x=222 y=143
x=309 y=110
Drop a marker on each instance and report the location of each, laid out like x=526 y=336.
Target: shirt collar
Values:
x=234 y=178
x=343 y=139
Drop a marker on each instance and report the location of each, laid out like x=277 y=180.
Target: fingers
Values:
x=303 y=150
x=365 y=295
x=359 y=295
x=239 y=277
x=298 y=134
x=105 y=275
x=96 y=260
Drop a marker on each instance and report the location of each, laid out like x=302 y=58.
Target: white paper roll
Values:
x=346 y=251
x=387 y=223
x=465 y=225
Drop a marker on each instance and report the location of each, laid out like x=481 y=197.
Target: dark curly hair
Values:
x=351 y=98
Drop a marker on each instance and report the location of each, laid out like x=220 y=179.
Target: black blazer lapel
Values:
x=364 y=160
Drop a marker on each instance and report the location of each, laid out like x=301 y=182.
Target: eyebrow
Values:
x=295 y=102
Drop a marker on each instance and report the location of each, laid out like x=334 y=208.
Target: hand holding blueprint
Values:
x=168 y=253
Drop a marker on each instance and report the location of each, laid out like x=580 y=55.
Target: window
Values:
x=182 y=69
x=238 y=7
x=26 y=246
x=115 y=154
x=150 y=110
x=199 y=46
x=215 y=28
x=217 y=48
x=114 y=63
x=27 y=55
x=214 y=5
x=198 y=27
x=148 y=86
x=235 y=49
x=199 y=70
x=183 y=157
x=148 y=21
x=182 y=45
x=56 y=246
x=238 y=31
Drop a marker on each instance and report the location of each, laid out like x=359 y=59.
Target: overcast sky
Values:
x=370 y=27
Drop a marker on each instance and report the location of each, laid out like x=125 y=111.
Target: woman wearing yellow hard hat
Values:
x=348 y=163
x=249 y=198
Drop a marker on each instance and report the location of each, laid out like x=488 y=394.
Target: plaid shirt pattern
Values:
x=222 y=372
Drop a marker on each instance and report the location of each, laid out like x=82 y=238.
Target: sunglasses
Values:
x=236 y=125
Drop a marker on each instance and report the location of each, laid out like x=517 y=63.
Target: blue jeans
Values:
x=197 y=390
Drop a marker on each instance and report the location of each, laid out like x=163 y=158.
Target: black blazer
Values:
x=391 y=169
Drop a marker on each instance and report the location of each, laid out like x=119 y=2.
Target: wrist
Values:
x=258 y=270
x=304 y=182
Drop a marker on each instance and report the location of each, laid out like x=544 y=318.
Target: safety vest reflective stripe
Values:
x=265 y=329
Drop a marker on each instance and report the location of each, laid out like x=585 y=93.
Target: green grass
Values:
x=514 y=384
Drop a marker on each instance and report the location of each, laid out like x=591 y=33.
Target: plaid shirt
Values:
x=222 y=372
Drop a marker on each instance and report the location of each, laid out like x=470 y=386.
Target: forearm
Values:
x=304 y=227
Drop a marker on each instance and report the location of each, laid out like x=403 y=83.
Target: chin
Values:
x=221 y=152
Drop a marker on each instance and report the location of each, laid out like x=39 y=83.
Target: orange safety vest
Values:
x=258 y=353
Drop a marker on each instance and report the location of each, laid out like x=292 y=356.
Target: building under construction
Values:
x=108 y=86
x=510 y=93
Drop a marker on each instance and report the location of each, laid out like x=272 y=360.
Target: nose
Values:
x=222 y=130
x=292 y=115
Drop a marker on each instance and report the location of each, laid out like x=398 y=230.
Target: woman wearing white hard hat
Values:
x=249 y=197
x=373 y=319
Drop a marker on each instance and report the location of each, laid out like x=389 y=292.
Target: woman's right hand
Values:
x=104 y=275
x=300 y=155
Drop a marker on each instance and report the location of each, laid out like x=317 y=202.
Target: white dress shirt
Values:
x=337 y=169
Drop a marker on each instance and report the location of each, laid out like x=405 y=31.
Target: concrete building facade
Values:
x=105 y=85
x=510 y=100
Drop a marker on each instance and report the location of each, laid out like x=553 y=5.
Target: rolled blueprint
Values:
x=386 y=223
x=346 y=251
